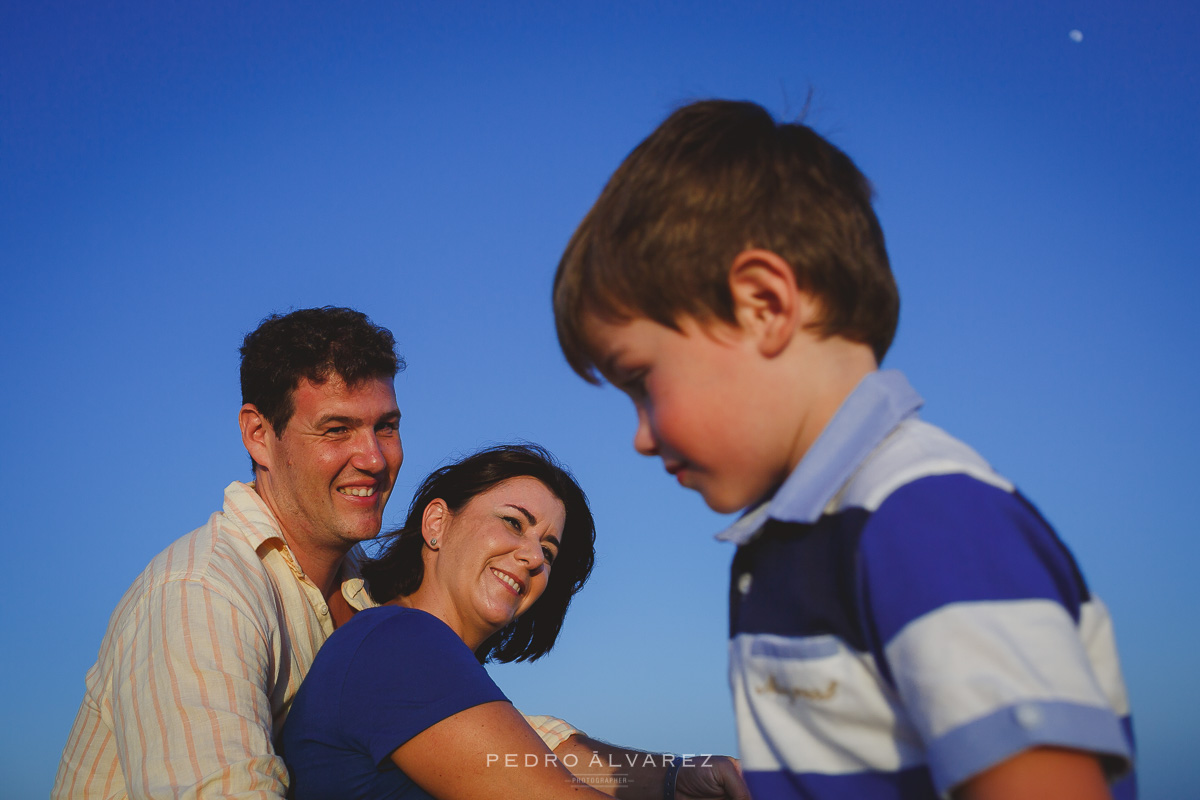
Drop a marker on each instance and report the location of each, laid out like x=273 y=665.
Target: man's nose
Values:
x=370 y=456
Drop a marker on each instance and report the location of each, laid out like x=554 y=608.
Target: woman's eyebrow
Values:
x=530 y=517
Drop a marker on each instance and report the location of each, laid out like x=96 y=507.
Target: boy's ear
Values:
x=766 y=300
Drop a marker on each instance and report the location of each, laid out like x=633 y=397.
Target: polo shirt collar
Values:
x=881 y=401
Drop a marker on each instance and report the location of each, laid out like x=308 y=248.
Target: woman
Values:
x=397 y=703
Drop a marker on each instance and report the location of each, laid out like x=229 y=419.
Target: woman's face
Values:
x=493 y=558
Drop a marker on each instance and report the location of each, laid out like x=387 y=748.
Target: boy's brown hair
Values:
x=716 y=178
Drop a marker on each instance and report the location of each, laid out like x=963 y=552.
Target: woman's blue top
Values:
x=382 y=678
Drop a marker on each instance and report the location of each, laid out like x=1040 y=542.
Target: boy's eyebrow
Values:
x=608 y=365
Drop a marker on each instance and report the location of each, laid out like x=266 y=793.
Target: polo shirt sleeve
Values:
x=978 y=617
x=407 y=674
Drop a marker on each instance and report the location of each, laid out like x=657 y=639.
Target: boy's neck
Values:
x=826 y=372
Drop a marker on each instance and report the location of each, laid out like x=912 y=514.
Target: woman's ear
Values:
x=767 y=304
x=433 y=523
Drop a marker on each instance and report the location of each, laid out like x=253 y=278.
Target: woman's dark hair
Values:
x=399 y=569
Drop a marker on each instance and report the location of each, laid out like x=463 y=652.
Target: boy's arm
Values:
x=1003 y=661
x=1044 y=773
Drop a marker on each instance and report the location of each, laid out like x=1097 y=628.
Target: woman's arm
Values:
x=1044 y=773
x=484 y=752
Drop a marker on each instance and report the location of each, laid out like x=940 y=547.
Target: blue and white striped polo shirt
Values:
x=902 y=619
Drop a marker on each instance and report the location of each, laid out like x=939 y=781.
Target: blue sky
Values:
x=171 y=173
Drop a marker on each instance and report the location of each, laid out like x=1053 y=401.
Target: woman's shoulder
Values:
x=390 y=616
x=372 y=627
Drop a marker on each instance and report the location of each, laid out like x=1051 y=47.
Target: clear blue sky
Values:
x=170 y=173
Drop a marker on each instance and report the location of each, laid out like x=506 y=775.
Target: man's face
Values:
x=329 y=476
x=694 y=391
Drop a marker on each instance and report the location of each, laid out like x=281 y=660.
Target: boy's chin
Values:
x=723 y=503
x=731 y=499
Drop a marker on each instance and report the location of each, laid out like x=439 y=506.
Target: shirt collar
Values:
x=354 y=586
x=258 y=525
x=880 y=402
x=251 y=514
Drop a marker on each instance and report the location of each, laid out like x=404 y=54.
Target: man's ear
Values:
x=255 y=430
x=766 y=301
x=433 y=522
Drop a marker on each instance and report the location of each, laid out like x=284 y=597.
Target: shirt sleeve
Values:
x=190 y=713
x=553 y=731
x=409 y=673
x=974 y=608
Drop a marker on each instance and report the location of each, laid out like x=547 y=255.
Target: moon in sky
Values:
x=1076 y=35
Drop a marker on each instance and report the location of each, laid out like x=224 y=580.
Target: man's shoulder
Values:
x=217 y=550
x=221 y=555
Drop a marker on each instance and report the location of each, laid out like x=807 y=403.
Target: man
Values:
x=206 y=649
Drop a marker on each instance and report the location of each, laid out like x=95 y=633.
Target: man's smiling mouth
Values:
x=357 y=491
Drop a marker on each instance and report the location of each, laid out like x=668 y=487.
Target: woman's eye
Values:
x=548 y=554
x=513 y=523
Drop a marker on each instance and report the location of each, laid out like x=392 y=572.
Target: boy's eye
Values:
x=634 y=386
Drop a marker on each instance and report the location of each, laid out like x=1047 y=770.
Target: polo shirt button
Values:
x=323 y=610
x=744 y=581
x=1028 y=716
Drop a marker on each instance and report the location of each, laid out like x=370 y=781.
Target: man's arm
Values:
x=637 y=775
x=190 y=708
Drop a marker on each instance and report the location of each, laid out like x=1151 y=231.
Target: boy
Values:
x=903 y=623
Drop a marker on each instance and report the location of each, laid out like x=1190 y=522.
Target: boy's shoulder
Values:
x=915 y=449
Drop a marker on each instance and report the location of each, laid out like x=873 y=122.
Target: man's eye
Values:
x=338 y=430
x=387 y=427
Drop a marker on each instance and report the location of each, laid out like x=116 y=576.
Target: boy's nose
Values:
x=643 y=438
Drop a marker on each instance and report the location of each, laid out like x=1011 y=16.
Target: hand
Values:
x=704 y=778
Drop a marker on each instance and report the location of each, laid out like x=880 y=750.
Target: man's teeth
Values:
x=508 y=579
x=358 y=491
